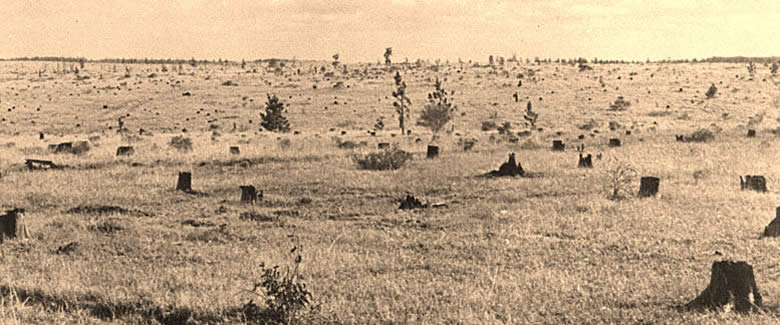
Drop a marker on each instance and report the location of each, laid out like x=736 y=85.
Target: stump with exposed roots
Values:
x=558 y=145
x=732 y=287
x=12 y=225
x=125 y=151
x=648 y=186
x=773 y=229
x=756 y=183
x=249 y=194
x=585 y=162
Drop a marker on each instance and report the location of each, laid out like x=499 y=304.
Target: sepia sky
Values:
x=360 y=30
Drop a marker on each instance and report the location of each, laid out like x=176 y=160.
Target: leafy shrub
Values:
x=505 y=128
x=700 y=135
x=181 y=143
x=589 y=125
x=488 y=125
x=285 y=293
x=618 y=179
x=467 y=143
x=389 y=159
x=773 y=69
x=711 y=91
x=273 y=119
x=285 y=144
x=620 y=104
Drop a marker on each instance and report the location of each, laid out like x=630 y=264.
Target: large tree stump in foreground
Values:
x=12 y=225
x=732 y=286
x=773 y=229
x=558 y=145
x=585 y=162
x=249 y=194
x=433 y=152
x=756 y=183
x=185 y=182
x=648 y=186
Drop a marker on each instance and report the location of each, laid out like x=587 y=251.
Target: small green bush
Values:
x=181 y=143
x=700 y=135
x=389 y=159
x=488 y=125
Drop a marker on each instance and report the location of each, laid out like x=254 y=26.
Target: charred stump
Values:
x=558 y=145
x=680 y=138
x=383 y=145
x=773 y=229
x=585 y=162
x=648 y=186
x=185 y=182
x=751 y=133
x=33 y=164
x=433 y=152
x=12 y=225
x=732 y=284
x=756 y=183
x=614 y=142
x=235 y=150
x=125 y=151
x=411 y=202
x=249 y=194
x=40 y=135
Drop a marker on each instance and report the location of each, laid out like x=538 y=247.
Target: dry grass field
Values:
x=551 y=249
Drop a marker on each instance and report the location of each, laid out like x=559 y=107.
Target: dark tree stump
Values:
x=33 y=164
x=411 y=202
x=12 y=225
x=773 y=229
x=679 y=138
x=185 y=182
x=585 y=162
x=235 y=150
x=125 y=151
x=731 y=283
x=614 y=142
x=249 y=194
x=581 y=136
x=509 y=168
x=751 y=133
x=558 y=145
x=628 y=132
x=64 y=147
x=40 y=135
x=756 y=183
x=433 y=152
x=383 y=145
x=648 y=186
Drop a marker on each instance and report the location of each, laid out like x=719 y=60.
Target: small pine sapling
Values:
x=773 y=68
x=388 y=53
x=530 y=116
x=273 y=119
x=712 y=91
x=402 y=102
x=751 y=69
x=438 y=111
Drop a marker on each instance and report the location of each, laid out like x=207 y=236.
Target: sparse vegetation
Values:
x=620 y=104
x=274 y=119
x=438 y=111
x=388 y=159
x=402 y=102
x=700 y=135
x=618 y=180
x=181 y=143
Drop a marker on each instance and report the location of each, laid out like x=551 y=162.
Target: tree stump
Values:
x=648 y=186
x=12 y=225
x=773 y=229
x=411 y=202
x=185 y=182
x=235 y=150
x=558 y=145
x=732 y=284
x=509 y=168
x=64 y=147
x=614 y=142
x=628 y=132
x=433 y=152
x=125 y=151
x=756 y=183
x=40 y=135
x=585 y=162
x=249 y=194
x=751 y=133
x=383 y=145
x=679 y=138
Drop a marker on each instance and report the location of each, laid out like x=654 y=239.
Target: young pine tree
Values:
x=402 y=102
x=273 y=119
x=438 y=111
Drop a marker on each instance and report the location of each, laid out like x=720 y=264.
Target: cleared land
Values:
x=551 y=249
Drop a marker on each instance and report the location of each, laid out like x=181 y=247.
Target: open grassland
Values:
x=549 y=249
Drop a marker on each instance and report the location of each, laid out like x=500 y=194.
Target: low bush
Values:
x=181 y=143
x=700 y=135
x=389 y=159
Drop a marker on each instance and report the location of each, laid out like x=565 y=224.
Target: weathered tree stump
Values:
x=125 y=151
x=680 y=138
x=732 y=284
x=40 y=135
x=185 y=182
x=64 y=147
x=383 y=145
x=558 y=145
x=433 y=152
x=751 y=133
x=648 y=186
x=249 y=194
x=235 y=150
x=411 y=202
x=773 y=229
x=628 y=132
x=12 y=225
x=33 y=164
x=756 y=183
x=585 y=162
x=614 y=142
x=509 y=168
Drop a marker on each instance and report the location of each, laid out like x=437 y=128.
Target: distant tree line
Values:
x=272 y=61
